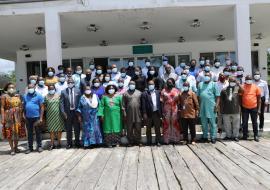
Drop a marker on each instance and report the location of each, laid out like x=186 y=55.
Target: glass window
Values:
x=233 y=56
x=141 y=61
x=171 y=59
x=125 y=61
x=66 y=63
x=116 y=61
x=183 y=58
x=156 y=61
x=208 y=55
x=221 y=56
x=33 y=68
x=75 y=63
x=43 y=68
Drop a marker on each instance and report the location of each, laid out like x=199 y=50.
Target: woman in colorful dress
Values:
x=97 y=88
x=54 y=118
x=111 y=116
x=169 y=101
x=51 y=78
x=87 y=115
x=12 y=117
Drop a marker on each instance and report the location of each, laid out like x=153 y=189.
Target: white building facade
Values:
x=118 y=27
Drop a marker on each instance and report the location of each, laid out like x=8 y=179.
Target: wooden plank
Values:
x=92 y=174
x=202 y=174
x=257 y=148
x=48 y=177
x=129 y=173
x=251 y=169
x=165 y=174
x=146 y=171
x=235 y=171
x=180 y=169
x=36 y=167
x=109 y=178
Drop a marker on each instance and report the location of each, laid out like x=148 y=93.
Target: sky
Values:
x=6 y=66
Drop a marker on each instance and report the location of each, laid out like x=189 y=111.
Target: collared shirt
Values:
x=166 y=76
x=71 y=95
x=189 y=104
x=77 y=79
x=216 y=72
x=178 y=70
x=222 y=86
x=264 y=89
x=59 y=87
x=32 y=104
x=229 y=100
x=192 y=83
x=126 y=81
x=154 y=100
x=162 y=71
x=200 y=76
x=42 y=90
x=115 y=76
x=249 y=96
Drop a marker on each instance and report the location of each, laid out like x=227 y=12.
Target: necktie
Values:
x=72 y=99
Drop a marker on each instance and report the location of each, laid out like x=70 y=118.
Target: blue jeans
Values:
x=213 y=127
x=30 y=129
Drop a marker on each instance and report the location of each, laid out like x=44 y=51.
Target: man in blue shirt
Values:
x=33 y=112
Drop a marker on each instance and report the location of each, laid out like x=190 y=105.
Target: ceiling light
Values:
x=259 y=36
x=64 y=45
x=196 y=23
x=143 y=41
x=40 y=30
x=92 y=28
x=251 y=20
x=181 y=39
x=220 y=37
x=145 y=26
x=103 y=43
x=24 y=47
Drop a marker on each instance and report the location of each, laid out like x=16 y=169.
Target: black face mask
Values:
x=88 y=76
x=170 y=85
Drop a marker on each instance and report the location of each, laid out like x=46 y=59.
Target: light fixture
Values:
x=103 y=43
x=196 y=23
x=40 y=30
x=64 y=45
x=259 y=36
x=181 y=39
x=220 y=37
x=251 y=20
x=145 y=26
x=143 y=41
x=24 y=47
x=92 y=28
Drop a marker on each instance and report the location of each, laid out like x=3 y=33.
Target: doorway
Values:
x=254 y=61
x=103 y=62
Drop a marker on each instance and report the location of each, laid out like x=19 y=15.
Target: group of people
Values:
x=101 y=105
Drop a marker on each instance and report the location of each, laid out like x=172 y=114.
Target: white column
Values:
x=53 y=39
x=242 y=36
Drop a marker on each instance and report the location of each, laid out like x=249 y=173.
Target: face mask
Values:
x=137 y=73
x=169 y=85
x=131 y=87
x=232 y=84
x=165 y=63
x=50 y=74
x=60 y=71
x=185 y=88
x=51 y=92
x=31 y=90
x=87 y=92
x=187 y=71
x=151 y=72
x=41 y=83
x=234 y=68
x=92 y=67
x=184 y=77
x=217 y=64
x=96 y=84
x=207 y=79
x=151 y=87
x=130 y=64
x=207 y=61
x=120 y=84
x=207 y=69
x=226 y=73
x=257 y=77
x=114 y=70
x=123 y=75
x=70 y=85
x=62 y=79
x=33 y=81
x=79 y=72
x=248 y=81
x=99 y=72
x=228 y=62
x=88 y=76
x=111 y=91
x=239 y=73
x=202 y=63
x=147 y=64
x=109 y=71
x=107 y=79
x=11 y=91
x=182 y=65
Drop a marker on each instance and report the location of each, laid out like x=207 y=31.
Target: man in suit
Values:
x=69 y=103
x=151 y=110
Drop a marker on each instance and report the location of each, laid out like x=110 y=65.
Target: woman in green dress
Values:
x=54 y=118
x=111 y=116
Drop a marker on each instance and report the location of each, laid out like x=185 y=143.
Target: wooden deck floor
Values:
x=225 y=165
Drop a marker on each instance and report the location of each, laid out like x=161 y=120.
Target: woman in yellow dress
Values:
x=51 y=79
x=12 y=117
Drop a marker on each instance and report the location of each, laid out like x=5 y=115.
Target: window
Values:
x=141 y=61
x=156 y=61
x=75 y=63
x=208 y=55
x=33 y=68
x=171 y=60
x=66 y=63
x=116 y=61
x=183 y=58
x=43 y=68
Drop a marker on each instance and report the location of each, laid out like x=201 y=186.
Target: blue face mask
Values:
x=234 y=67
x=31 y=90
x=41 y=83
x=50 y=74
x=185 y=88
x=99 y=72
x=182 y=65
x=131 y=87
x=207 y=68
x=123 y=75
x=120 y=84
x=184 y=77
x=62 y=79
x=51 y=92
x=207 y=79
x=226 y=73
x=33 y=81
x=151 y=87
x=202 y=63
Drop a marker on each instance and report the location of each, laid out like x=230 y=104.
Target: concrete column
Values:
x=242 y=36
x=53 y=39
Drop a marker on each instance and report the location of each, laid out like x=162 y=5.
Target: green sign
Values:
x=142 y=49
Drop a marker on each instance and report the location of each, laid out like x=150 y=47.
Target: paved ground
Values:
x=225 y=165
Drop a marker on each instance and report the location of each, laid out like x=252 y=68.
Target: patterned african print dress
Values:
x=171 y=126
x=14 y=124
x=54 y=118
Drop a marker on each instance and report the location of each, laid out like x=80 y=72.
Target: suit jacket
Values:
x=64 y=100
x=147 y=104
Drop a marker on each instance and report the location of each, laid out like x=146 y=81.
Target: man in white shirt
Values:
x=162 y=70
x=78 y=76
x=216 y=70
x=41 y=88
x=207 y=69
x=169 y=74
x=186 y=77
x=145 y=69
x=125 y=77
x=264 y=96
x=115 y=75
x=62 y=84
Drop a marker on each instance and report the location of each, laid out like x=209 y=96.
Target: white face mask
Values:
x=130 y=64
x=11 y=91
x=257 y=77
x=114 y=70
x=147 y=64
x=152 y=72
x=232 y=84
x=109 y=71
x=207 y=61
x=96 y=84
x=228 y=62
x=87 y=92
x=70 y=85
x=111 y=91
x=107 y=79
x=217 y=64
x=132 y=87
x=62 y=79
x=120 y=84
x=248 y=81
x=137 y=73
x=60 y=71
x=51 y=92
x=31 y=90
x=99 y=72
x=165 y=63
x=92 y=67
x=50 y=74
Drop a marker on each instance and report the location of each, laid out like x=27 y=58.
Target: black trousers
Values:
x=155 y=121
x=262 y=112
x=189 y=123
x=30 y=129
x=245 y=116
x=72 y=123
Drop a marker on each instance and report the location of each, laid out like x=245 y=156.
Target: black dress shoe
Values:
x=236 y=139
x=213 y=141
x=256 y=138
x=69 y=146
x=78 y=145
